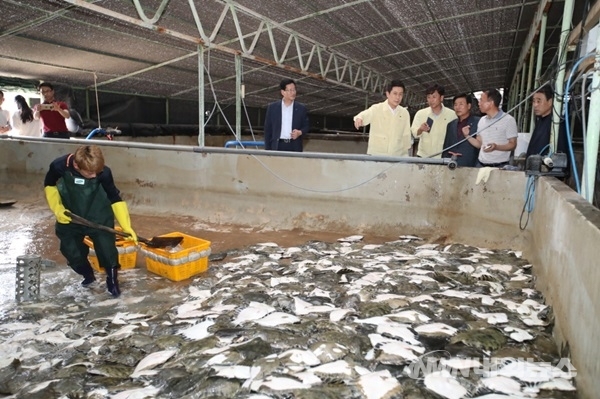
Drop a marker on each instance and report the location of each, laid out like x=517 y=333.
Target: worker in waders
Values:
x=83 y=185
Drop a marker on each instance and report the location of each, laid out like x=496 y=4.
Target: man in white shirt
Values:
x=496 y=132
x=4 y=116
x=286 y=122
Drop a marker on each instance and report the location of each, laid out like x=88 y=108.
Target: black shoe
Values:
x=88 y=274
x=112 y=282
x=88 y=280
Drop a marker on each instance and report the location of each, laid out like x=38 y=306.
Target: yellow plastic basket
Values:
x=127 y=254
x=190 y=260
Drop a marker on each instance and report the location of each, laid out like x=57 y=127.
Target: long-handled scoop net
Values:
x=154 y=242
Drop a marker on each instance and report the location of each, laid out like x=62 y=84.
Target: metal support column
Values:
x=590 y=161
x=238 y=97
x=200 y=96
x=167 y=111
x=557 y=105
x=528 y=122
x=538 y=65
x=520 y=97
x=516 y=97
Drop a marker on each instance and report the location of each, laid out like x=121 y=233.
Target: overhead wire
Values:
x=277 y=175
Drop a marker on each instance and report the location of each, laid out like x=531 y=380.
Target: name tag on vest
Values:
x=79 y=181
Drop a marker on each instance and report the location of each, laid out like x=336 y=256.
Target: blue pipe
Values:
x=97 y=130
x=235 y=143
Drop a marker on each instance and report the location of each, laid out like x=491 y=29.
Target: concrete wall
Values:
x=566 y=240
x=371 y=196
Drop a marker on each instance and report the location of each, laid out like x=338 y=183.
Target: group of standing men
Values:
x=472 y=140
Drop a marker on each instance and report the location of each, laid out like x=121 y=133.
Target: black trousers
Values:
x=289 y=145
x=57 y=135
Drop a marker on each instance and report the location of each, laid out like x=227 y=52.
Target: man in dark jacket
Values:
x=286 y=121
x=456 y=133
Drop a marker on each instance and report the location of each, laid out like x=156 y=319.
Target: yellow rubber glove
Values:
x=122 y=216
x=55 y=203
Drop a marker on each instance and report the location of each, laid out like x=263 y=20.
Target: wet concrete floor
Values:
x=27 y=228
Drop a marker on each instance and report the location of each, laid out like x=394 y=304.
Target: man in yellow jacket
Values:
x=429 y=124
x=83 y=185
x=389 y=133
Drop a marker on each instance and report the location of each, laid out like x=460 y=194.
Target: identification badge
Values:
x=79 y=181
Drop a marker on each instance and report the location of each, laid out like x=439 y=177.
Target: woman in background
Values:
x=23 y=122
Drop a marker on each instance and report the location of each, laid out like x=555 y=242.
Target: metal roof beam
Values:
x=279 y=56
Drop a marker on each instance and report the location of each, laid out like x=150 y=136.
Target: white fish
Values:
x=557 y=384
x=123 y=318
x=455 y=294
x=398 y=352
x=308 y=378
x=518 y=334
x=279 y=384
x=195 y=292
x=327 y=352
x=197 y=331
x=290 y=251
x=502 y=268
x=233 y=371
x=442 y=383
x=339 y=314
x=187 y=307
x=460 y=363
x=370 y=247
x=409 y=237
x=492 y=318
x=320 y=293
x=398 y=331
x=137 y=393
x=422 y=298
x=41 y=385
x=18 y=326
x=277 y=318
x=152 y=360
x=427 y=246
x=339 y=367
x=302 y=308
x=254 y=311
x=426 y=253
x=467 y=269
x=502 y=384
x=436 y=328
x=351 y=239
x=379 y=385
x=372 y=278
x=275 y=281
x=123 y=332
x=485 y=299
x=53 y=337
x=528 y=371
x=298 y=356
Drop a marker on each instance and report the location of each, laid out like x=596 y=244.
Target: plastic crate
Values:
x=191 y=260
x=127 y=254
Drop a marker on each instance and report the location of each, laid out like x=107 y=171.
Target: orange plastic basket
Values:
x=127 y=254
x=191 y=258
